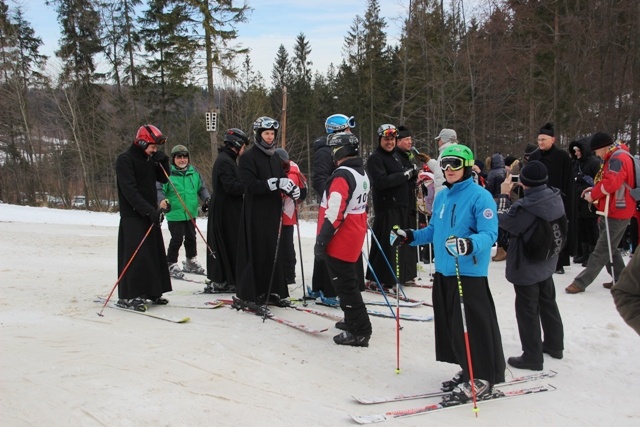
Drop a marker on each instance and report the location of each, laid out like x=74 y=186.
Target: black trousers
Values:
x=535 y=306
x=181 y=231
x=485 y=340
x=288 y=254
x=344 y=277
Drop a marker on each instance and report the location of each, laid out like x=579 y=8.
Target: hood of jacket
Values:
x=584 y=145
x=543 y=201
x=497 y=161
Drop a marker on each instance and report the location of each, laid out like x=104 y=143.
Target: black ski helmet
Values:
x=235 y=138
x=343 y=144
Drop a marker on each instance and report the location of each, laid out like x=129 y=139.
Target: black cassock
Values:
x=148 y=273
x=224 y=217
x=258 y=234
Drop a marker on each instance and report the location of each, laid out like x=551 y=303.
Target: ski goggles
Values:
x=159 y=140
x=270 y=124
x=453 y=163
x=388 y=131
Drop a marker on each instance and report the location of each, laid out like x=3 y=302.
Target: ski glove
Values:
x=411 y=172
x=273 y=184
x=459 y=246
x=286 y=185
x=156 y=216
x=295 y=193
x=205 y=206
x=161 y=160
x=401 y=237
x=168 y=208
x=320 y=251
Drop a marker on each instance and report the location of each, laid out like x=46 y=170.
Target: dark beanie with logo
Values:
x=600 y=140
x=534 y=173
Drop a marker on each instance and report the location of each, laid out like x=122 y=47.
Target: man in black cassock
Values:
x=137 y=171
x=265 y=184
x=558 y=163
x=224 y=213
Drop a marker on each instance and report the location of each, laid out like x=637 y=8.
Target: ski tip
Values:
x=368 y=419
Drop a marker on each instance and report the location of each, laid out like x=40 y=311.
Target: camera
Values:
x=515 y=178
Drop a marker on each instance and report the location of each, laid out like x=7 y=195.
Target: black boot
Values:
x=521 y=363
x=347 y=338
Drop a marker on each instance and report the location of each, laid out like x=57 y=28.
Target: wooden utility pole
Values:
x=283 y=134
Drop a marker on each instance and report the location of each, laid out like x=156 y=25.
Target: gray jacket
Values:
x=544 y=202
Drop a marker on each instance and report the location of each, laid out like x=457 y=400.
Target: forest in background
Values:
x=495 y=77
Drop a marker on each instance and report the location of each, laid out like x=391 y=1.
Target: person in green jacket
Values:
x=189 y=184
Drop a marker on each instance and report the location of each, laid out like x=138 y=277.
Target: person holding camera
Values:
x=532 y=279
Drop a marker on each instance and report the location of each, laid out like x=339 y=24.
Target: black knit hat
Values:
x=508 y=161
x=403 y=132
x=600 y=140
x=547 y=129
x=534 y=173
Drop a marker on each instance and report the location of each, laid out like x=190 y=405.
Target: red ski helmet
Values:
x=149 y=134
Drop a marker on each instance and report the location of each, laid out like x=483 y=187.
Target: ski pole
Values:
x=397 y=314
x=466 y=338
x=304 y=287
x=418 y=194
x=275 y=262
x=193 y=220
x=384 y=294
x=124 y=270
x=606 y=225
x=393 y=273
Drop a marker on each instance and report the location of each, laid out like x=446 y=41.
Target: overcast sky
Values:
x=271 y=23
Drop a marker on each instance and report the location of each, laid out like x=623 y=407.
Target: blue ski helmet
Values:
x=339 y=123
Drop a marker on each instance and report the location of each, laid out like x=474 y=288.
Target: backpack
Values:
x=635 y=190
x=546 y=238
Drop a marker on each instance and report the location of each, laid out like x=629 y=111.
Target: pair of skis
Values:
x=148 y=313
x=403 y=413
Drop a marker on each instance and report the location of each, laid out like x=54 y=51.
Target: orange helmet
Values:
x=149 y=134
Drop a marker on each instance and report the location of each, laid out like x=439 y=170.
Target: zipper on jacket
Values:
x=453 y=217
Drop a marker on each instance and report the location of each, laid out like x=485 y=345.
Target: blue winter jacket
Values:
x=463 y=210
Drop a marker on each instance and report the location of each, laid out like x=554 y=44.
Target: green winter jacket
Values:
x=190 y=186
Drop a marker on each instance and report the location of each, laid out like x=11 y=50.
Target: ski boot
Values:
x=448 y=386
x=463 y=393
x=135 y=304
x=311 y=294
x=347 y=338
x=275 y=300
x=174 y=271
x=158 y=300
x=191 y=265
x=329 y=301
x=259 y=310
x=218 y=288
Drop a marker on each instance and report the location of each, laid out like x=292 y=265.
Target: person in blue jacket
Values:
x=463 y=228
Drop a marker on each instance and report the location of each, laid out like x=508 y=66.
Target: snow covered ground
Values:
x=61 y=364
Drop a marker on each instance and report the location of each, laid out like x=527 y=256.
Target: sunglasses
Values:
x=453 y=163
x=182 y=156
